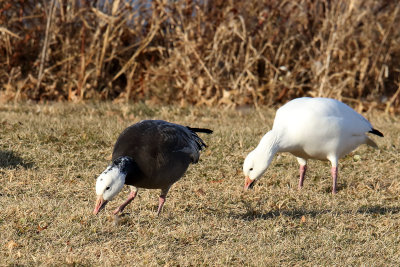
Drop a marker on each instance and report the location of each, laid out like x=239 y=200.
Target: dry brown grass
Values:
x=227 y=53
x=51 y=154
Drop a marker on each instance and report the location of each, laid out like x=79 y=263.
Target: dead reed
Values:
x=201 y=52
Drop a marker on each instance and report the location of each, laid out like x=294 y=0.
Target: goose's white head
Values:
x=258 y=160
x=253 y=167
x=110 y=182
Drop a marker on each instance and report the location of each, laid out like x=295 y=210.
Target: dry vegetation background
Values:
x=151 y=56
x=201 y=52
x=51 y=154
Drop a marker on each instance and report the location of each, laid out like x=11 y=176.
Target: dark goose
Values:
x=151 y=154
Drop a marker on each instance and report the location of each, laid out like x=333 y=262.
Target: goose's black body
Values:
x=160 y=152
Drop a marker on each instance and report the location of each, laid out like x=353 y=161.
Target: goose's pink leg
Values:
x=162 y=199
x=303 y=169
x=334 y=171
x=161 y=202
x=131 y=197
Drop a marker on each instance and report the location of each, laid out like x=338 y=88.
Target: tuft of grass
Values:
x=50 y=155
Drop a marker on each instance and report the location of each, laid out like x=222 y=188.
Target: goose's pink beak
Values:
x=248 y=183
x=100 y=204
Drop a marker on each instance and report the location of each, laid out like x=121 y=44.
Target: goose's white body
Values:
x=319 y=128
x=310 y=128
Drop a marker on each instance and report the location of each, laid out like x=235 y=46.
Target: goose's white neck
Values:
x=268 y=147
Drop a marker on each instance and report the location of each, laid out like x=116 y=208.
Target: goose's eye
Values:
x=251 y=169
x=107 y=188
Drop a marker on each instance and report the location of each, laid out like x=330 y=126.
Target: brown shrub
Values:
x=200 y=52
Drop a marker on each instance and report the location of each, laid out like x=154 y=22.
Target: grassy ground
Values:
x=51 y=154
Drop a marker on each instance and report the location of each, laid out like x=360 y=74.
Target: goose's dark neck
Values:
x=128 y=166
x=124 y=164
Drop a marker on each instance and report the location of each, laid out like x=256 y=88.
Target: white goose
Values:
x=310 y=128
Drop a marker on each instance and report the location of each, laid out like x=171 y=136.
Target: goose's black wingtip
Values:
x=375 y=131
x=200 y=130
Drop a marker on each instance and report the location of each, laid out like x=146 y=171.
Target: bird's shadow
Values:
x=251 y=215
x=10 y=160
x=379 y=210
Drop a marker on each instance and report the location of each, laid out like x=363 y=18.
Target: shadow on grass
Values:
x=8 y=159
x=379 y=210
x=298 y=213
